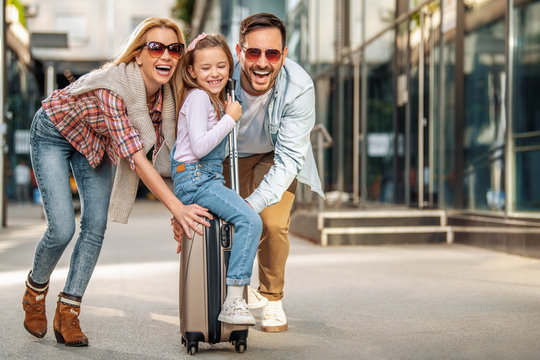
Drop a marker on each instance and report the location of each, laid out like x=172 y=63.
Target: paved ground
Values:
x=359 y=302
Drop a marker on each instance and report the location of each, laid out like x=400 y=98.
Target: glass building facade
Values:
x=430 y=104
x=23 y=94
x=22 y=101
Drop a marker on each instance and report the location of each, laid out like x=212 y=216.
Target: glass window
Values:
x=485 y=122
x=526 y=107
x=449 y=104
x=324 y=100
x=22 y=100
x=348 y=125
x=414 y=97
x=380 y=118
x=335 y=110
x=402 y=98
x=294 y=38
x=424 y=72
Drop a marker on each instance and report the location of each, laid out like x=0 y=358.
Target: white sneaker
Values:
x=235 y=311
x=274 y=319
x=255 y=299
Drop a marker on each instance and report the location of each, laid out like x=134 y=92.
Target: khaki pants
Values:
x=274 y=243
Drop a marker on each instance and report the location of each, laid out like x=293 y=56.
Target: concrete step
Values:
x=382 y=238
x=339 y=227
x=406 y=226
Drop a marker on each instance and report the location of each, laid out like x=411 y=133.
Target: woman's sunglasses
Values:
x=156 y=49
x=253 y=54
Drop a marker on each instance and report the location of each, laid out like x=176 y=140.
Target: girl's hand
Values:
x=233 y=109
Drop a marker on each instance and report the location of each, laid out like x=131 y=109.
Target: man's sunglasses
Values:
x=156 y=49
x=253 y=54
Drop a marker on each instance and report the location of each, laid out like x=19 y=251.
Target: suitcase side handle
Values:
x=225 y=235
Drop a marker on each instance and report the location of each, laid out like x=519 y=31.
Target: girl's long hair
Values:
x=189 y=83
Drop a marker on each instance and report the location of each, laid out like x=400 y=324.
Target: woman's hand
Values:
x=178 y=229
x=190 y=216
x=233 y=109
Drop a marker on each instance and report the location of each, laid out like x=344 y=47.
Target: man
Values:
x=278 y=114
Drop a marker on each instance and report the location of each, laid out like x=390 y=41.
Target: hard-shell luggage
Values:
x=203 y=270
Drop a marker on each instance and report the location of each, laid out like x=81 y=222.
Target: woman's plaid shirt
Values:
x=97 y=121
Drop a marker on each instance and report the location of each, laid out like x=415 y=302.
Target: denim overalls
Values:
x=202 y=183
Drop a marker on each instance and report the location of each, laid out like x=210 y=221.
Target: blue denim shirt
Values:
x=289 y=119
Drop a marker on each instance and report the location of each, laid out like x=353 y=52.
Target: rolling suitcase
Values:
x=203 y=269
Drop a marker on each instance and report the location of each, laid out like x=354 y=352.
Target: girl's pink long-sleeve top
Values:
x=198 y=129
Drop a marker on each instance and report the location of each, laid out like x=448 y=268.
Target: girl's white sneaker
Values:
x=236 y=312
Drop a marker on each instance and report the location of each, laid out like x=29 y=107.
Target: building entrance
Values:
x=423 y=79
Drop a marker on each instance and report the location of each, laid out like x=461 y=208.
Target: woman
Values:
x=122 y=110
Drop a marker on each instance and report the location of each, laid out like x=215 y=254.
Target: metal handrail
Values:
x=326 y=137
x=485 y=159
x=323 y=141
x=320 y=140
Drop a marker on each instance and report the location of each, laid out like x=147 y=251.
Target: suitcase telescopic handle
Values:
x=233 y=147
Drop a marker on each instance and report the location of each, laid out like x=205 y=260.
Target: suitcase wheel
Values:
x=240 y=346
x=192 y=347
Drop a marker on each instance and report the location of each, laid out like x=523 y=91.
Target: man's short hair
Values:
x=262 y=20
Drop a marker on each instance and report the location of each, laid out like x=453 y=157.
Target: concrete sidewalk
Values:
x=359 y=302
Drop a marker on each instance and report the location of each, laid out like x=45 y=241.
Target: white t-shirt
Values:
x=252 y=138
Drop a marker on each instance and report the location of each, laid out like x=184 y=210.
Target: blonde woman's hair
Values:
x=138 y=39
x=189 y=83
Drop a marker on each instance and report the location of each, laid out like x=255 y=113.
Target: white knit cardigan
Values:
x=126 y=81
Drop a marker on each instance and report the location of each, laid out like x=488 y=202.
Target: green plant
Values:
x=20 y=9
x=183 y=10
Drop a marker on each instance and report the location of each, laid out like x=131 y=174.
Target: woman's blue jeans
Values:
x=53 y=159
x=202 y=183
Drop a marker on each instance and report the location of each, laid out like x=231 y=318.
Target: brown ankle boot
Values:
x=66 y=321
x=35 y=318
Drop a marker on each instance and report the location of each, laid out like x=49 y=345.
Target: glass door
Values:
x=484 y=100
x=524 y=172
x=424 y=59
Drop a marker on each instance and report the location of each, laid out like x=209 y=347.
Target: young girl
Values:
x=196 y=162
